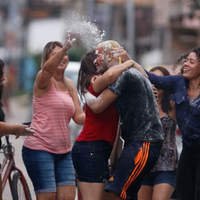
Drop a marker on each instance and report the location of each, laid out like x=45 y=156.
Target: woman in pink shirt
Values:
x=47 y=154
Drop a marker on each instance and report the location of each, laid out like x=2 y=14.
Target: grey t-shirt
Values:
x=137 y=107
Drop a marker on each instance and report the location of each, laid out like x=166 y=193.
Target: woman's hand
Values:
x=140 y=69
x=120 y=52
x=68 y=42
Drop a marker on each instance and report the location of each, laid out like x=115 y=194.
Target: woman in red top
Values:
x=93 y=146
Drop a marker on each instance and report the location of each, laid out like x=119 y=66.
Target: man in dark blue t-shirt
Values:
x=141 y=126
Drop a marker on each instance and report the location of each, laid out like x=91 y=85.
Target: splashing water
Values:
x=88 y=33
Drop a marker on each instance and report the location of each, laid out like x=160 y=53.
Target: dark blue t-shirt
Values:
x=137 y=107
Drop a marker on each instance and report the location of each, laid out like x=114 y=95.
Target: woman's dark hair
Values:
x=165 y=102
x=1 y=74
x=86 y=72
x=183 y=57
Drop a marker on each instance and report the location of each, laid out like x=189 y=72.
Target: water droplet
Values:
x=88 y=32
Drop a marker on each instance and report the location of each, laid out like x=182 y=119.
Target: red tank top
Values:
x=100 y=126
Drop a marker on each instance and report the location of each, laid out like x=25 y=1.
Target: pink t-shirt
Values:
x=51 y=116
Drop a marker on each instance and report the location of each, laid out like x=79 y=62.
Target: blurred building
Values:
x=152 y=31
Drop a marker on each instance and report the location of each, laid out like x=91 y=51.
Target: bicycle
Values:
x=17 y=182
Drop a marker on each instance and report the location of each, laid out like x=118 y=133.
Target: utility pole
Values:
x=130 y=28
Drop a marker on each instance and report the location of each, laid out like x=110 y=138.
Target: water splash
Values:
x=84 y=30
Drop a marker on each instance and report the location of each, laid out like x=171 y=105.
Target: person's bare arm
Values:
x=49 y=68
x=100 y=103
x=79 y=115
x=110 y=76
x=14 y=129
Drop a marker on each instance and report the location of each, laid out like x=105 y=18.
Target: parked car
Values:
x=72 y=73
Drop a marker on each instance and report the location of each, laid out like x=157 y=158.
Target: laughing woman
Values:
x=185 y=90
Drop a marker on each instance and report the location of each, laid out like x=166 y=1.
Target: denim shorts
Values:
x=90 y=161
x=154 y=178
x=47 y=170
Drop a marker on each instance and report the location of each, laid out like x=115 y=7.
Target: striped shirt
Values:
x=51 y=116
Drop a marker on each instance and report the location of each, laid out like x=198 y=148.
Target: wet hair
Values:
x=86 y=72
x=165 y=102
x=107 y=45
x=105 y=48
x=184 y=56
x=1 y=86
x=45 y=56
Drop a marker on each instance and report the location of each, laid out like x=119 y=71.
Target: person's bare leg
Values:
x=106 y=196
x=46 y=196
x=162 y=191
x=114 y=196
x=91 y=191
x=66 y=193
x=145 y=193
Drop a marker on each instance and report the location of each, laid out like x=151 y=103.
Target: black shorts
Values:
x=136 y=160
x=90 y=161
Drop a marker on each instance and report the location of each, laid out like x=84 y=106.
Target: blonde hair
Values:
x=107 y=45
x=45 y=56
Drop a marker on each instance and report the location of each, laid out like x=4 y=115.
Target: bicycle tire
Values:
x=18 y=186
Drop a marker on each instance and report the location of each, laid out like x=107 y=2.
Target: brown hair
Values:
x=182 y=58
x=86 y=72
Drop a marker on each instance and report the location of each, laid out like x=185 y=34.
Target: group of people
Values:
x=118 y=92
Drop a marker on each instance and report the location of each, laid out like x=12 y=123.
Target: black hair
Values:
x=184 y=56
x=86 y=72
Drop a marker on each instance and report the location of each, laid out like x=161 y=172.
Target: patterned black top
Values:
x=168 y=159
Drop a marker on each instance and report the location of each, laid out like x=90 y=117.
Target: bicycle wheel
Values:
x=20 y=187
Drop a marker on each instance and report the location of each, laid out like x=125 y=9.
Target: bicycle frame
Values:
x=8 y=166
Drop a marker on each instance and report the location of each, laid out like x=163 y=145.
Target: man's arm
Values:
x=110 y=76
x=100 y=103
